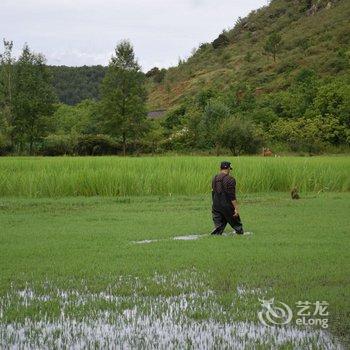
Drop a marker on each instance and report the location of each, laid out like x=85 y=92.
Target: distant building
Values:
x=156 y=114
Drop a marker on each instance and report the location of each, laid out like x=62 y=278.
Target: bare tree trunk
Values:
x=31 y=147
x=8 y=102
x=124 y=144
x=217 y=149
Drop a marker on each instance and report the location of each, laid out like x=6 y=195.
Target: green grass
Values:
x=115 y=176
x=299 y=250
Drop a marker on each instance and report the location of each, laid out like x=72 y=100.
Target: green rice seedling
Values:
x=168 y=175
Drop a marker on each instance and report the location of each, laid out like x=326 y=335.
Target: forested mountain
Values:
x=280 y=78
x=75 y=84
x=266 y=50
x=313 y=34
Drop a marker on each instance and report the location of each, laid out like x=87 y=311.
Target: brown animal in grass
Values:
x=267 y=152
x=294 y=193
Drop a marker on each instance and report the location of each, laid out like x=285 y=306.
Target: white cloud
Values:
x=86 y=31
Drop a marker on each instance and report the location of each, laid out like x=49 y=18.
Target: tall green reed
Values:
x=178 y=175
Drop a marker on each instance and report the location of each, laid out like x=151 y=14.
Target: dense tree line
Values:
x=312 y=115
x=32 y=120
x=290 y=103
x=75 y=84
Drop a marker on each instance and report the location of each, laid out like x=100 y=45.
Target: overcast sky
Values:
x=78 y=32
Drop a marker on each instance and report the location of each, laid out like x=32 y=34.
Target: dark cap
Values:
x=225 y=165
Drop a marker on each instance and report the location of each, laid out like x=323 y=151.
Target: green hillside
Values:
x=314 y=35
x=278 y=81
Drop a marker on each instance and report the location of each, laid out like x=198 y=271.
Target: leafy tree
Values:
x=194 y=119
x=154 y=135
x=333 y=131
x=264 y=116
x=273 y=44
x=299 y=134
x=307 y=85
x=333 y=99
x=79 y=119
x=221 y=41
x=240 y=98
x=159 y=77
x=174 y=118
x=239 y=135
x=285 y=104
x=157 y=74
x=33 y=99
x=123 y=93
x=310 y=134
x=214 y=113
x=204 y=96
x=152 y=72
x=124 y=58
x=6 y=91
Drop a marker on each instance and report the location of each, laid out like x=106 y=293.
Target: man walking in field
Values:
x=225 y=207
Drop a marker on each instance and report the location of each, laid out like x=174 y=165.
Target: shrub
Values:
x=152 y=72
x=204 y=96
x=303 y=44
x=263 y=115
x=248 y=56
x=225 y=57
x=240 y=136
x=158 y=78
x=264 y=77
x=142 y=147
x=285 y=104
x=96 y=145
x=343 y=36
x=214 y=113
x=334 y=99
x=174 y=117
x=56 y=145
x=286 y=66
x=204 y=46
x=310 y=134
x=5 y=146
x=157 y=74
x=181 y=140
x=221 y=41
x=273 y=44
x=337 y=64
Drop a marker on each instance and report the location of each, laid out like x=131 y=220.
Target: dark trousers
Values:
x=223 y=215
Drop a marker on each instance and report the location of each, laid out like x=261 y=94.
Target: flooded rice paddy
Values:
x=193 y=318
x=191 y=237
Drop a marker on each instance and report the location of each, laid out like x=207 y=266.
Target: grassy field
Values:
x=72 y=274
x=115 y=176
